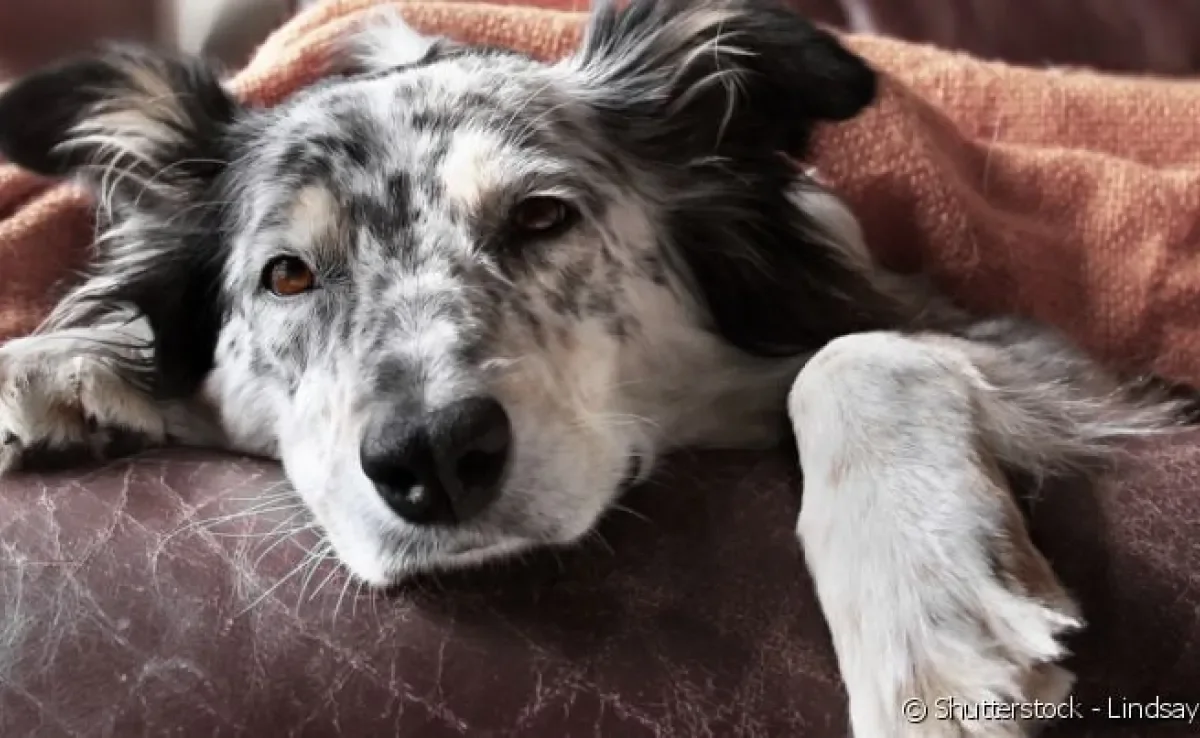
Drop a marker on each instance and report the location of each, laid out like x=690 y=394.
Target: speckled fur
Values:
x=702 y=274
x=632 y=332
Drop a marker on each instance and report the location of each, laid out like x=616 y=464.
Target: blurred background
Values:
x=34 y=32
x=1132 y=36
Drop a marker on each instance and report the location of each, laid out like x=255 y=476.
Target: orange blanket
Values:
x=1067 y=196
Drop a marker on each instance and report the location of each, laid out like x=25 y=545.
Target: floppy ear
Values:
x=706 y=97
x=695 y=79
x=149 y=134
x=126 y=109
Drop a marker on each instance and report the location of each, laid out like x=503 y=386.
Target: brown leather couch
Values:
x=162 y=595
x=125 y=614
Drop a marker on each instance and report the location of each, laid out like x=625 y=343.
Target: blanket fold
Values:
x=1068 y=196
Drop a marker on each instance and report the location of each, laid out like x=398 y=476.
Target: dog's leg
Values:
x=941 y=609
x=83 y=393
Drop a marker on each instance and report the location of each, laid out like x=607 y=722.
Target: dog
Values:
x=467 y=298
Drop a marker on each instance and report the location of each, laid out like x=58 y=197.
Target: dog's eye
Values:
x=541 y=215
x=286 y=276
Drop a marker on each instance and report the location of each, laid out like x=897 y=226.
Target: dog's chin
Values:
x=419 y=557
x=450 y=550
x=385 y=554
x=444 y=550
x=467 y=556
x=456 y=557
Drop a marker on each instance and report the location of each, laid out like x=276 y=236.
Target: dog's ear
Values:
x=135 y=118
x=686 y=79
x=705 y=97
x=149 y=134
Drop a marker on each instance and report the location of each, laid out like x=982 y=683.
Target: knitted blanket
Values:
x=1064 y=195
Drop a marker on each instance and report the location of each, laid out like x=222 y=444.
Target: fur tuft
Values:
x=386 y=41
x=1047 y=410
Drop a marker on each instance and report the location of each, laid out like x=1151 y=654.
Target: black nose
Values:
x=443 y=466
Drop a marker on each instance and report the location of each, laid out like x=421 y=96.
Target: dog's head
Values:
x=465 y=295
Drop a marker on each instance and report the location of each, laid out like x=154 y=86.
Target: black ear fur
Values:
x=37 y=112
x=161 y=107
x=688 y=79
x=707 y=96
x=150 y=134
x=179 y=293
x=772 y=282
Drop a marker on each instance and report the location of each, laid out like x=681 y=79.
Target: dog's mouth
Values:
x=476 y=543
x=466 y=555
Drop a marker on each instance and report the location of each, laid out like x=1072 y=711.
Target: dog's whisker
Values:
x=618 y=507
x=189 y=525
x=270 y=497
x=597 y=536
x=314 y=557
x=356 y=596
x=338 y=605
x=298 y=568
x=289 y=535
x=209 y=523
x=261 y=536
x=334 y=571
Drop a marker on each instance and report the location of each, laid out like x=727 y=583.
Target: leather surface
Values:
x=129 y=609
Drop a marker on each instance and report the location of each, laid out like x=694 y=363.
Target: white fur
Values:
x=387 y=40
x=899 y=517
x=58 y=391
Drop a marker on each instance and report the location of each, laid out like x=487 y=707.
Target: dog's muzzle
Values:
x=438 y=467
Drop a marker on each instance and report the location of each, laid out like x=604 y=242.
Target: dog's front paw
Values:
x=946 y=619
x=982 y=667
x=58 y=407
x=953 y=648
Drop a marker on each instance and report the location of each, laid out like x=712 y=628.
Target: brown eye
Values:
x=540 y=215
x=287 y=276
